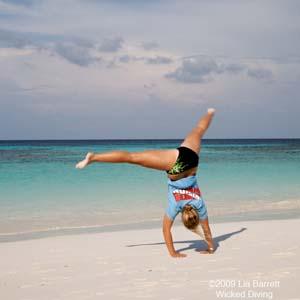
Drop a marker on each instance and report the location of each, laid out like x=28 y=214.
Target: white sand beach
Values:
x=254 y=260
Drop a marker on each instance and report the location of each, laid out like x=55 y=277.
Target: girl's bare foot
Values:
x=211 y=111
x=82 y=164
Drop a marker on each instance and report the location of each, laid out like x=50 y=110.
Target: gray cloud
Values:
x=125 y=58
x=231 y=68
x=82 y=42
x=17 y=39
x=111 y=44
x=149 y=45
x=194 y=70
x=130 y=58
x=157 y=60
x=200 y=69
x=260 y=73
x=13 y=39
x=76 y=50
x=75 y=54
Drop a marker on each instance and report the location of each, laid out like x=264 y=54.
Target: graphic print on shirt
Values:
x=187 y=194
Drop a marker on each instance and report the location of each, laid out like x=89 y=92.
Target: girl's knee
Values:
x=134 y=157
x=124 y=156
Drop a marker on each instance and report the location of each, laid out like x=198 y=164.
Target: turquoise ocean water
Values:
x=40 y=189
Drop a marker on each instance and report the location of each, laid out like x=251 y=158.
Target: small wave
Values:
x=254 y=206
x=71 y=230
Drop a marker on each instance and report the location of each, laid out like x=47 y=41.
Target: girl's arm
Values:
x=167 y=225
x=208 y=237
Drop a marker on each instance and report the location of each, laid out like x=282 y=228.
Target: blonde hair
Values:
x=190 y=217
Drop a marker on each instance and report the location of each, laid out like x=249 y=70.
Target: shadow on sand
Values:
x=198 y=245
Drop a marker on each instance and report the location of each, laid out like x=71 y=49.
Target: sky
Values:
x=118 y=69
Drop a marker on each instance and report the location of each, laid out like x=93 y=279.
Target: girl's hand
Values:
x=178 y=254
x=208 y=251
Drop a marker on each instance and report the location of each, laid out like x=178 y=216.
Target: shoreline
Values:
x=23 y=226
x=139 y=225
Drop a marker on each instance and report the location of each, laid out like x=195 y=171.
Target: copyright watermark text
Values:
x=244 y=289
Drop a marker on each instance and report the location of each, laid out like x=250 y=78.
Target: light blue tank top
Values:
x=182 y=192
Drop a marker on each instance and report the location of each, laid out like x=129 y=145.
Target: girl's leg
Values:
x=155 y=159
x=193 y=139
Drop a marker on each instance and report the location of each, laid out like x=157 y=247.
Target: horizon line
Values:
x=146 y=139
